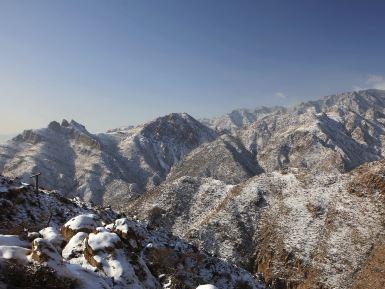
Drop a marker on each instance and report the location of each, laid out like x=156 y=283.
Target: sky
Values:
x=113 y=63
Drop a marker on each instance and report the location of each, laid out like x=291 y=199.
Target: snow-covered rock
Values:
x=82 y=223
x=75 y=246
x=53 y=236
x=103 y=241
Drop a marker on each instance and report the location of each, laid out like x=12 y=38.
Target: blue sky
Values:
x=114 y=63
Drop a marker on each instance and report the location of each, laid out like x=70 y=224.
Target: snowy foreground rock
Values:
x=47 y=241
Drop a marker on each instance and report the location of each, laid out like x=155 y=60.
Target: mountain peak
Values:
x=78 y=126
x=55 y=126
x=175 y=116
x=65 y=123
x=178 y=125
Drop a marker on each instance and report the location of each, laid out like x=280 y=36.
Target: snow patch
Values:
x=14 y=253
x=53 y=236
x=86 y=221
x=206 y=286
x=103 y=240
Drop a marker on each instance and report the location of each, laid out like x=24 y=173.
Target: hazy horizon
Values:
x=110 y=65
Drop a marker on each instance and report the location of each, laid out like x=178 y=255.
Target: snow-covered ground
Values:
x=91 y=247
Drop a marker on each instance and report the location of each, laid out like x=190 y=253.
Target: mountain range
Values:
x=293 y=194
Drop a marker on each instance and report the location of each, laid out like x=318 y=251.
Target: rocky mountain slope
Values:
x=313 y=219
x=224 y=159
x=239 y=118
x=48 y=241
x=103 y=167
x=299 y=230
x=336 y=132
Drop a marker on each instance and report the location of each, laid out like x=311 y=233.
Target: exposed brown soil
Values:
x=372 y=274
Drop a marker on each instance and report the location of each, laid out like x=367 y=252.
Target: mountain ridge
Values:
x=336 y=132
x=132 y=160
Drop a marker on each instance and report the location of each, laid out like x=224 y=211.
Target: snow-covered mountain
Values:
x=313 y=219
x=239 y=118
x=299 y=229
x=293 y=193
x=337 y=132
x=102 y=167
